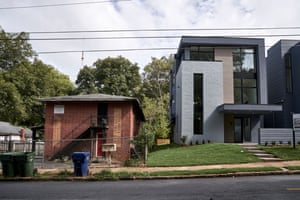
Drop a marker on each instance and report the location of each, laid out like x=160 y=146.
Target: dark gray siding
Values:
x=277 y=84
x=295 y=52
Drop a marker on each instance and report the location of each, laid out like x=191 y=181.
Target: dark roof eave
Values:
x=249 y=108
x=97 y=98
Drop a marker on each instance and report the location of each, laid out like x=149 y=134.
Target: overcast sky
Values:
x=136 y=15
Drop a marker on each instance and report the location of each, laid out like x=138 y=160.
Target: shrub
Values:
x=197 y=142
x=266 y=143
x=183 y=139
x=280 y=142
x=273 y=143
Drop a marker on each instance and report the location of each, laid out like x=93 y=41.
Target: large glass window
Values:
x=244 y=60
x=245 y=91
x=198 y=103
x=202 y=53
x=288 y=73
x=245 y=83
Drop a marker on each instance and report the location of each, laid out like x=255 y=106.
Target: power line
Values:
x=166 y=30
x=108 y=50
x=145 y=37
x=121 y=50
x=61 y=4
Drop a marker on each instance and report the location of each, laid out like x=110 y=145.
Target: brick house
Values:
x=86 y=122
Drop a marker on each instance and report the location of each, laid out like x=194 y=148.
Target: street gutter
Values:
x=92 y=178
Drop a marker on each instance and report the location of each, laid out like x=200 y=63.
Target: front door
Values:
x=242 y=129
x=99 y=145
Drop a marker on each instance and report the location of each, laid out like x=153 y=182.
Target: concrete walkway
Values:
x=99 y=167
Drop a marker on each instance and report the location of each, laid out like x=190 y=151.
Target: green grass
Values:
x=207 y=154
x=293 y=167
x=284 y=152
x=214 y=171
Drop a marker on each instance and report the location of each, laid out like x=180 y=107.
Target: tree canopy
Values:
x=156 y=77
x=23 y=81
x=116 y=76
x=14 y=49
x=155 y=101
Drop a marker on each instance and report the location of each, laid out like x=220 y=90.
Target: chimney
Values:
x=22 y=135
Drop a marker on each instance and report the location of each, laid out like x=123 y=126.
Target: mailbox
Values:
x=109 y=147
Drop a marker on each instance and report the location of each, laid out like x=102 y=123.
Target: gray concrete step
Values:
x=270 y=159
x=261 y=154
x=264 y=155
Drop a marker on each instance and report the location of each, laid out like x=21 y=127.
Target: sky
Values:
x=101 y=19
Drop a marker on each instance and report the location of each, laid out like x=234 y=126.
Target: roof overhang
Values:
x=97 y=98
x=249 y=109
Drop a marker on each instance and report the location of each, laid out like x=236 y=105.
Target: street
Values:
x=254 y=187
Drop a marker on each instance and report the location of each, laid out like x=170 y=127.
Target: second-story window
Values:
x=202 y=53
x=245 y=79
x=244 y=60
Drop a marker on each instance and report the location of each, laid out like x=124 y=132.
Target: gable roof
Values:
x=7 y=129
x=97 y=98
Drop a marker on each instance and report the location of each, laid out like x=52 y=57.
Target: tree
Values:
x=11 y=109
x=156 y=115
x=86 y=80
x=23 y=84
x=15 y=49
x=156 y=77
x=155 y=96
x=117 y=76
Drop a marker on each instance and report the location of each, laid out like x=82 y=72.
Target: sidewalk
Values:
x=95 y=167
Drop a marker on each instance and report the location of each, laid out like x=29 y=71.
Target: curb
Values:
x=91 y=178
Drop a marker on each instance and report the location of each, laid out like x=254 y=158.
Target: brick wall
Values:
x=122 y=126
x=75 y=120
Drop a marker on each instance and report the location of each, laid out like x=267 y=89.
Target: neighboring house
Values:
x=218 y=90
x=9 y=132
x=86 y=122
x=283 y=68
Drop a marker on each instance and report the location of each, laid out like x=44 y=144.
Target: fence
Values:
x=277 y=136
x=22 y=146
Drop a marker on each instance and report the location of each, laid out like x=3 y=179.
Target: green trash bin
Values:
x=24 y=164
x=7 y=161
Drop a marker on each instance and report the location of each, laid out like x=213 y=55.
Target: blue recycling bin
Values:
x=81 y=162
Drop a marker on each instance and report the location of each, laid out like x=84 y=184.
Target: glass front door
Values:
x=242 y=130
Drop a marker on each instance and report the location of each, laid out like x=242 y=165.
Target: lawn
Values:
x=207 y=154
x=284 y=152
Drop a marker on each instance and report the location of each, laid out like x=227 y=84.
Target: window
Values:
x=245 y=83
x=202 y=53
x=59 y=109
x=198 y=103
x=245 y=91
x=244 y=60
x=288 y=73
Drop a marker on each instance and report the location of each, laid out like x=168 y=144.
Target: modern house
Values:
x=90 y=122
x=218 y=90
x=283 y=81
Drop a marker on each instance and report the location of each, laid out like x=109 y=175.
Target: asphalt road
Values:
x=262 y=187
